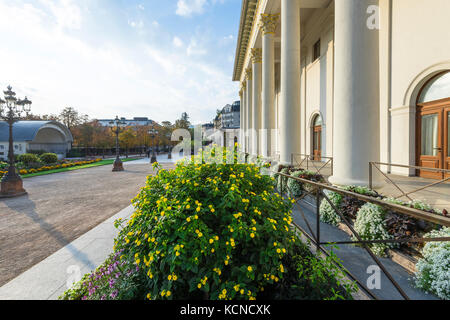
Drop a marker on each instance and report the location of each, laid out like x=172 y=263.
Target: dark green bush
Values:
x=49 y=158
x=28 y=159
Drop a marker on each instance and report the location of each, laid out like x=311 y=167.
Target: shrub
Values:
x=371 y=225
x=208 y=231
x=49 y=158
x=28 y=159
x=327 y=213
x=294 y=187
x=433 y=270
x=282 y=181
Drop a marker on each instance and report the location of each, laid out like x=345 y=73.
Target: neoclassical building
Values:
x=356 y=80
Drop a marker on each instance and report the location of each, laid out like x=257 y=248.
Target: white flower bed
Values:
x=433 y=271
x=295 y=187
x=327 y=213
x=370 y=225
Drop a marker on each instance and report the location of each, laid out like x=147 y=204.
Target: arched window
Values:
x=433 y=118
x=436 y=89
x=317 y=137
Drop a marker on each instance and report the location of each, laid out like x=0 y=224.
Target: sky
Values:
x=131 y=58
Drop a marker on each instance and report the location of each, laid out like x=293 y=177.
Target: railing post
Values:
x=318 y=192
x=370 y=175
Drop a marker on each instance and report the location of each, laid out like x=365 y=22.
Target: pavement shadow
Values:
x=28 y=208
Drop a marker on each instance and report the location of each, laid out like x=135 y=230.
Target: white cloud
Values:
x=187 y=8
x=67 y=14
x=141 y=7
x=195 y=49
x=136 y=24
x=177 y=42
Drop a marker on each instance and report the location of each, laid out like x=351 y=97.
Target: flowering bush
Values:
x=113 y=280
x=433 y=271
x=215 y=231
x=371 y=225
x=327 y=213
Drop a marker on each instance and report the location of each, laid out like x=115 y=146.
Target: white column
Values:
x=290 y=80
x=356 y=94
x=268 y=26
x=256 y=101
x=242 y=119
x=248 y=101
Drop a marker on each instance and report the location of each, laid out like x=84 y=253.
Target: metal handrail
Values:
x=310 y=158
x=376 y=165
x=315 y=238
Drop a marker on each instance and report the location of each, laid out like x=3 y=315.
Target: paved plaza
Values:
x=61 y=207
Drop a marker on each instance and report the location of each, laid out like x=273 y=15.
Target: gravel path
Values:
x=59 y=208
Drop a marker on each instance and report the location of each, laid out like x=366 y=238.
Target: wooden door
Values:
x=446 y=147
x=433 y=138
x=317 y=141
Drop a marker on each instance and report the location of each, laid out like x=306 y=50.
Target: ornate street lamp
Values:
x=153 y=134
x=10 y=111
x=117 y=126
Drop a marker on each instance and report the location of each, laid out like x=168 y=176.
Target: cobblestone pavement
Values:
x=61 y=207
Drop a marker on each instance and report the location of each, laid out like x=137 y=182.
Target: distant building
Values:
x=231 y=116
x=47 y=136
x=227 y=125
x=136 y=121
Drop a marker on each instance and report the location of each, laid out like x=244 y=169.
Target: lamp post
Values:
x=10 y=111
x=116 y=126
x=153 y=133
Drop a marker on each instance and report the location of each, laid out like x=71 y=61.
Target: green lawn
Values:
x=95 y=164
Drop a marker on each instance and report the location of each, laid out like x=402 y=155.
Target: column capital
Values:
x=256 y=55
x=269 y=23
x=243 y=85
x=248 y=73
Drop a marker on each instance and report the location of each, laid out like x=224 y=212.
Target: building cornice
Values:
x=248 y=12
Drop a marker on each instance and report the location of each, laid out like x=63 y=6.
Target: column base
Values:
x=341 y=181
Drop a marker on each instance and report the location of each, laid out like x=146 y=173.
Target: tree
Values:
x=183 y=122
x=71 y=118
x=127 y=139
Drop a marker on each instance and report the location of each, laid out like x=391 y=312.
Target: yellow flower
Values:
x=250 y=269
x=188 y=219
x=211 y=240
x=252 y=235
x=188 y=206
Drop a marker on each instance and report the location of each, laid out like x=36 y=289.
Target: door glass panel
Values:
x=429 y=135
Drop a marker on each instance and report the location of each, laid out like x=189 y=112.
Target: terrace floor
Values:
x=437 y=196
